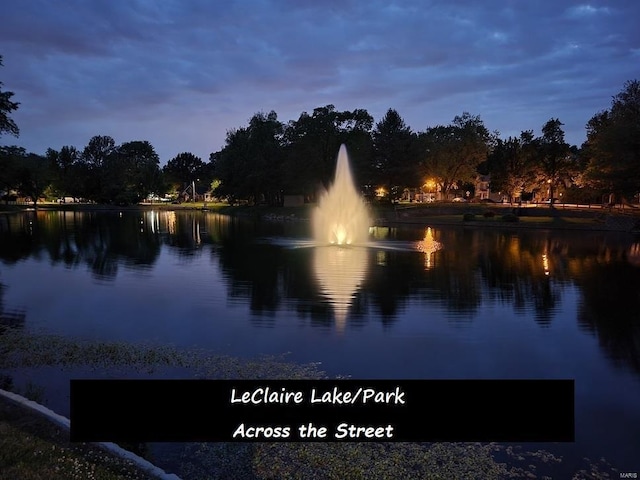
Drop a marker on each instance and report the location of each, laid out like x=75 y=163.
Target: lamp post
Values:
x=193 y=189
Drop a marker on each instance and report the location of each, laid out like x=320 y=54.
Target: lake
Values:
x=417 y=303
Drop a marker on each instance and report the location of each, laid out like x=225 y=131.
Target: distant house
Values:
x=202 y=194
x=483 y=187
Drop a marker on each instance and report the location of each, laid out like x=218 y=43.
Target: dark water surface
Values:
x=421 y=303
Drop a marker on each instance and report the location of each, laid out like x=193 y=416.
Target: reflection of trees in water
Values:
x=528 y=270
x=254 y=270
x=185 y=232
x=256 y=275
x=455 y=281
x=16 y=237
x=523 y=270
x=388 y=286
x=102 y=241
x=471 y=268
x=269 y=277
x=615 y=323
x=600 y=265
x=605 y=269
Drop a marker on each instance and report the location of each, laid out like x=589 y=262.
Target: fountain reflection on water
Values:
x=341 y=229
x=428 y=246
x=340 y=271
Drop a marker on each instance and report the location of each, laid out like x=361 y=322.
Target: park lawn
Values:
x=32 y=447
x=537 y=220
x=559 y=221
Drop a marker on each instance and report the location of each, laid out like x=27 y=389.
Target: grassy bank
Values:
x=33 y=447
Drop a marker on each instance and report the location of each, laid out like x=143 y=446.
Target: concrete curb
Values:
x=65 y=423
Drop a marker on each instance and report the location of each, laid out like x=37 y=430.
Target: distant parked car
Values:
x=458 y=199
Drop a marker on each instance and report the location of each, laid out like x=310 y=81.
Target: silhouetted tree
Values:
x=250 y=164
x=511 y=165
x=183 y=168
x=98 y=150
x=34 y=176
x=7 y=125
x=312 y=143
x=10 y=158
x=91 y=162
x=395 y=159
x=613 y=144
x=130 y=173
x=67 y=173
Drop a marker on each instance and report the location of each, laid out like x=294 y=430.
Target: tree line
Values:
x=268 y=158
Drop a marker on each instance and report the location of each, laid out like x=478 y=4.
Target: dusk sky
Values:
x=180 y=73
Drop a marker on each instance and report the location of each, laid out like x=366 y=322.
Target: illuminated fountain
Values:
x=342 y=218
x=341 y=229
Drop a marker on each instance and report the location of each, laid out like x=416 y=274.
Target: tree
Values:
x=183 y=168
x=355 y=132
x=312 y=143
x=395 y=159
x=34 y=176
x=7 y=125
x=231 y=164
x=98 y=150
x=613 y=144
x=91 y=167
x=130 y=173
x=510 y=165
x=553 y=159
x=265 y=152
x=452 y=153
x=250 y=164
x=66 y=171
x=121 y=174
x=10 y=160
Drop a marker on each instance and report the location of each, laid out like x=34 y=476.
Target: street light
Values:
x=430 y=184
x=193 y=189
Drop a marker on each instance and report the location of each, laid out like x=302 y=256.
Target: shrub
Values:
x=467 y=217
x=489 y=214
x=510 y=217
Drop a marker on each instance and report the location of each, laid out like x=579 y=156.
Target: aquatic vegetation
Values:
x=19 y=350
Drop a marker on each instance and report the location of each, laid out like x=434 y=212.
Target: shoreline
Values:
x=596 y=218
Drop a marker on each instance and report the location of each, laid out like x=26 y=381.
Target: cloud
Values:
x=586 y=10
x=183 y=73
